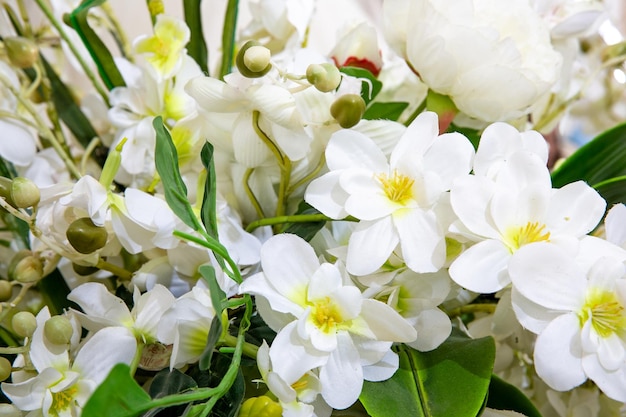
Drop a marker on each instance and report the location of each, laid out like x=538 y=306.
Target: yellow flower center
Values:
x=300 y=384
x=62 y=400
x=325 y=315
x=518 y=236
x=605 y=311
x=397 y=187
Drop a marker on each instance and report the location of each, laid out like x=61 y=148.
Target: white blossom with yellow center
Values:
x=396 y=199
x=577 y=306
x=512 y=207
x=323 y=321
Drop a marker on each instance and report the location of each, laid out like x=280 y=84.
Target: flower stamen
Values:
x=518 y=236
x=605 y=311
x=397 y=187
x=325 y=315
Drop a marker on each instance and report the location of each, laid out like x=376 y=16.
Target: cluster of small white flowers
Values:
x=419 y=223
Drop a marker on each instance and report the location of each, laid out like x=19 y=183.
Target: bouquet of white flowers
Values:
x=312 y=215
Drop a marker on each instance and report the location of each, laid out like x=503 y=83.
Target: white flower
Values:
x=63 y=386
x=329 y=324
x=577 y=306
x=493 y=58
x=519 y=208
x=395 y=200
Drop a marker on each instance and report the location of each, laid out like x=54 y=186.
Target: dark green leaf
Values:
x=118 y=395
x=54 y=291
x=600 y=160
x=196 y=48
x=166 y=161
x=214 y=335
x=451 y=380
x=218 y=296
x=388 y=111
x=97 y=49
x=504 y=396
x=305 y=230
x=612 y=190
x=370 y=85
x=168 y=382
x=228 y=37
x=208 y=212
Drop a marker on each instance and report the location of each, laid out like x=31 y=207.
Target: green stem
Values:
x=137 y=358
x=297 y=218
x=115 y=270
x=416 y=113
x=311 y=175
x=249 y=349
x=253 y=200
x=473 y=308
x=57 y=25
x=228 y=37
x=14 y=350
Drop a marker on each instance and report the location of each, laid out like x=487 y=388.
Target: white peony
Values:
x=493 y=58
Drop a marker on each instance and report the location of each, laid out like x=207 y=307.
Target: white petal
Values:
x=151 y=307
x=615 y=224
x=259 y=285
x=386 y=323
x=18 y=144
x=531 y=316
x=215 y=95
x=382 y=370
x=29 y=395
x=433 y=328
x=421 y=239
x=342 y=376
x=575 y=209
x=417 y=138
x=470 y=198
x=558 y=354
x=326 y=195
x=370 y=246
x=450 y=156
x=612 y=383
x=350 y=149
x=482 y=267
x=100 y=305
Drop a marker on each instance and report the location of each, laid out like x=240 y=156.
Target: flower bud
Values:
x=253 y=60
x=83 y=270
x=5 y=369
x=22 y=52
x=24 y=192
x=348 y=110
x=6 y=290
x=25 y=267
x=85 y=236
x=24 y=323
x=262 y=406
x=58 y=330
x=9 y=410
x=5 y=190
x=325 y=77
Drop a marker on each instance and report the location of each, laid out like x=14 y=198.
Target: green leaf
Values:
x=305 y=230
x=612 y=190
x=214 y=335
x=166 y=161
x=228 y=38
x=54 y=291
x=196 y=48
x=97 y=49
x=208 y=212
x=218 y=296
x=601 y=159
x=472 y=134
x=118 y=395
x=451 y=380
x=389 y=110
x=370 y=87
x=165 y=383
x=504 y=396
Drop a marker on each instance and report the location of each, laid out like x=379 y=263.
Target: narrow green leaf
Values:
x=97 y=49
x=196 y=48
x=504 y=396
x=612 y=190
x=166 y=161
x=451 y=380
x=390 y=110
x=600 y=160
x=218 y=296
x=214 y=335
x=208 y=212
x=370 y=85
x=118 y=395
x=228 y=38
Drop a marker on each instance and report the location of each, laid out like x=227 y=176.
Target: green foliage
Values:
x=370 y=87
x=196 y=48
x=228 y=37
x=97 y=49
x=308 y=229
x=504 y=396
x=451 y=380
x=165 y=383
x=54 y=291
x=208 y=212
x=388 y=110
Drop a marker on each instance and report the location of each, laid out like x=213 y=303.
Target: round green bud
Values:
x=9 y=410
x=85 y=236
x=325 y=77
x=83 y=270
x=24 y=192
x=262 y=406
x=22 y=52
x=5 y=368
x=253 y=60
x=348 y=110
x=25 y=267
x=6 y=290
x=58 y=330
x=5 y=190
x=24 y=323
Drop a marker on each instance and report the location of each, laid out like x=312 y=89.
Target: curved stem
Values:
x=297 y=218
x=473 y=308
x=311 y=175
x=115 y=270
x=253 y=200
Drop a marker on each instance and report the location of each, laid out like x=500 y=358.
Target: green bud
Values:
x=25 y=267
x=58 y=330
x=85 y=236
x=24 y=192
x=262 y=406
x=9 y=410
x=83 y=270
x=6 y=290
x=5 y=190
x=253 y=60
x=24 y=323
x=22 y=52
x=5 y=369
x=325 y=77
x=348 y=110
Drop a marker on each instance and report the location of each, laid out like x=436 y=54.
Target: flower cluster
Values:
x=370 y=222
